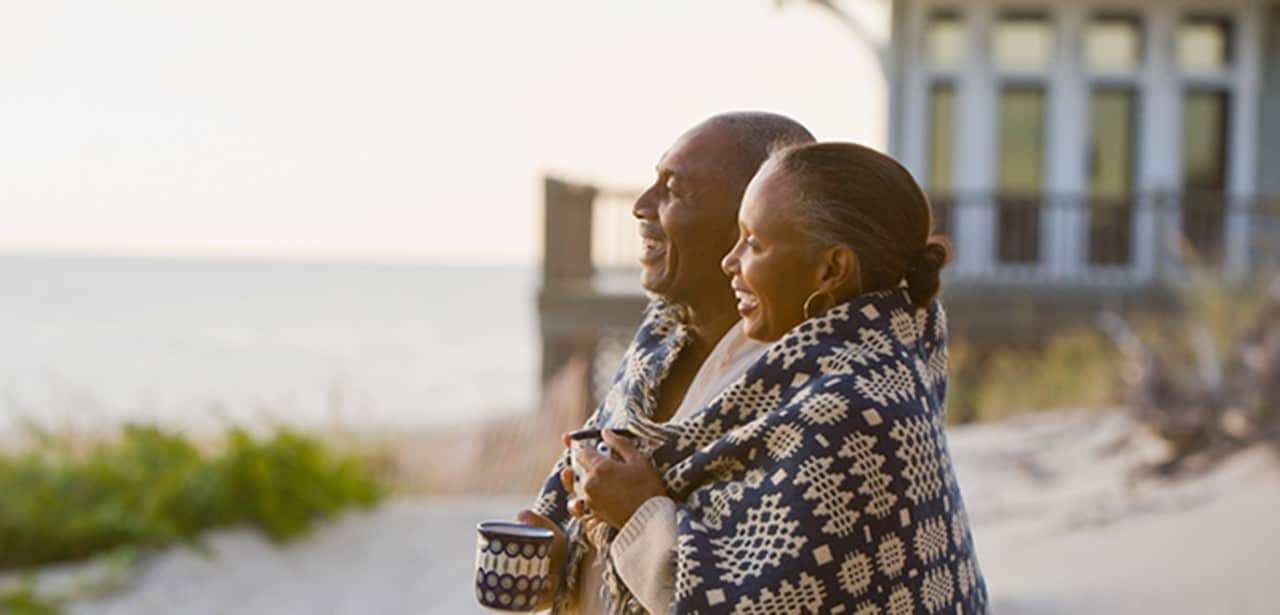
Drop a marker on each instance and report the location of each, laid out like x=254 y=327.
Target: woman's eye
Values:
x=753 y=244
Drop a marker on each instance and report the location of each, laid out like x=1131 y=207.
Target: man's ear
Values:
x=839 y=270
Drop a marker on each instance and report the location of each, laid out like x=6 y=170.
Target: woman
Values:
x=821 y=479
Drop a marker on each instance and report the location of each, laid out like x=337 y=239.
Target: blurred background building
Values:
x=1088 y=153
x=1081 y=156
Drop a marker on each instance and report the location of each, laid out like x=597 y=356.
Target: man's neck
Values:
x=708 y=322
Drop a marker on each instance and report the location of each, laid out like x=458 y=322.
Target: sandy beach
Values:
x=1060 y=524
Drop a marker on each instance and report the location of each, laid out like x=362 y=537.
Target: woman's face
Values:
x=773 y=267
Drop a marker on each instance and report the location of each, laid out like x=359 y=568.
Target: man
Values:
x=688 y=222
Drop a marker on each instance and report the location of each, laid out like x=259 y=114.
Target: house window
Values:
x=942 y=109
x=1111 y=166
x=1205 y=121
x=944 y=40
x=1204 y=44
x=1023 y=43
x=1022 y=129
x=1113 y=44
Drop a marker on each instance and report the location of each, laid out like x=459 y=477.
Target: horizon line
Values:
x=259 y=257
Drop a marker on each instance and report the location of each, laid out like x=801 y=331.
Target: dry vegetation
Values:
x=1208 y=381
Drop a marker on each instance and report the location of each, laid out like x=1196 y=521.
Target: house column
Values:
x=1067 y=139
x=1241 y=178
x=1158 y=218
x=913 y=106
x=975 y=164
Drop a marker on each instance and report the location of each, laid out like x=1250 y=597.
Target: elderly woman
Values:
x=820 y=480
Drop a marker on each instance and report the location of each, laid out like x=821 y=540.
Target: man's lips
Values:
x=653 y=245
x=652 y=250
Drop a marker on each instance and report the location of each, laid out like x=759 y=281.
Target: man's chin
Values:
x=657 y=284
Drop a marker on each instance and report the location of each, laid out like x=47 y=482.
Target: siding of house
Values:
x=1269 y=130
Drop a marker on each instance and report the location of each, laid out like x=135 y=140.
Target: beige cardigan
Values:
x=644 y=551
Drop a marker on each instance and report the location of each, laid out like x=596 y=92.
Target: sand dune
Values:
x=1059 y=525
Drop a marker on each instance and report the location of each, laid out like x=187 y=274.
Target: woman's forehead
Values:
x=769 y=210
x=769 y=193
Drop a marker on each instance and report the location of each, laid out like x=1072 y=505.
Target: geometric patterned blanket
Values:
x=819 y=482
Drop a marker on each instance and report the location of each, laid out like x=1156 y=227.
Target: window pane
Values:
x=1204 y=141
x=941 y=134
x=1204 y=45
x=942 y=107
x=1204 y=173
x=1113 y=45
x=1021 y=139
x=1023 y=43
x=1111 y=115
x=1021 y=147
x=1111 y=162
x=944 y=40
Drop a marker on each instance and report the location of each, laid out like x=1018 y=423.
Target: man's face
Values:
x=688 y=216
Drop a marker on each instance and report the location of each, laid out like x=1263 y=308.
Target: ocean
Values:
x=94 y=341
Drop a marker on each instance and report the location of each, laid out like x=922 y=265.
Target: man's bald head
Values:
x=757 y=135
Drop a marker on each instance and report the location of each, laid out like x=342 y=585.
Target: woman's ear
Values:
x=839 y=271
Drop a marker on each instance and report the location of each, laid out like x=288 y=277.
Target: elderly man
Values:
x=688 y=222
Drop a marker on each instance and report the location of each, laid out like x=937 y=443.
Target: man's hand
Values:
x=559 y=551
x=614 y=488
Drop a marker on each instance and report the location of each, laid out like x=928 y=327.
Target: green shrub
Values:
x=152 y=488
x=1076 y=369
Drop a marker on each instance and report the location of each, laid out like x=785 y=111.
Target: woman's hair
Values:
x=857 y=197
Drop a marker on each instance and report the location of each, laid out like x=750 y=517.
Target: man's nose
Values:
x=646 y=205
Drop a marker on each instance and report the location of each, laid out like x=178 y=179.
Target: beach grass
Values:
x=1079 y=369
x=147 y=487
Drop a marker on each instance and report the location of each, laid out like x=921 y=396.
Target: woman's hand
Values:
x=559 y=551
x=614 y=488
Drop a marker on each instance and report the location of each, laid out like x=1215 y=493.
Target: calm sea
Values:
x=92 y=340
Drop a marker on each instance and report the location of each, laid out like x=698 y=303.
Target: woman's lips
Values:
x=747 y=301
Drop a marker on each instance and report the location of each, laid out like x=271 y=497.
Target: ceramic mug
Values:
x=512 y=562
x=591 y=438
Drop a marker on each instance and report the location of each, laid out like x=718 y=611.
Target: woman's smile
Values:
x=748 y=302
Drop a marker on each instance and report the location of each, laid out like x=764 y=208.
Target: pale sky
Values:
x=382 y=129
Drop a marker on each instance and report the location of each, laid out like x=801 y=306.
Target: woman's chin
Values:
x=755 y=328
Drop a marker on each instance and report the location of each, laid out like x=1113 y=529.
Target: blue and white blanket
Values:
x=819 y=482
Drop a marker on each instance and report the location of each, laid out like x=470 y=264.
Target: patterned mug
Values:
x=512 y=562
x=591 y=438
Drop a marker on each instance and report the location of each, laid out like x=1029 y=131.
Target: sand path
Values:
x=1058 y=528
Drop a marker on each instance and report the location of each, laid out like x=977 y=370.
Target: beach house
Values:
x=1086 y=154
x=1081 y=155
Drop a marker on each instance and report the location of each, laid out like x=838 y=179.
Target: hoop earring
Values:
x=809 y=311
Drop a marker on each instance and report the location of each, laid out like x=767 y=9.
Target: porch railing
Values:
x=1049 y=246
x=1090 y=241
x=1047 y=239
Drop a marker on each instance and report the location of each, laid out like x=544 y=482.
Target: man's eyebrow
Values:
x=667 y=172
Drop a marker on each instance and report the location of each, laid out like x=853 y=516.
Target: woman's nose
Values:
x=729 y=264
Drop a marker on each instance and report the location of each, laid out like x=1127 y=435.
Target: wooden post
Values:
x=566 y=264
x=567 y=233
